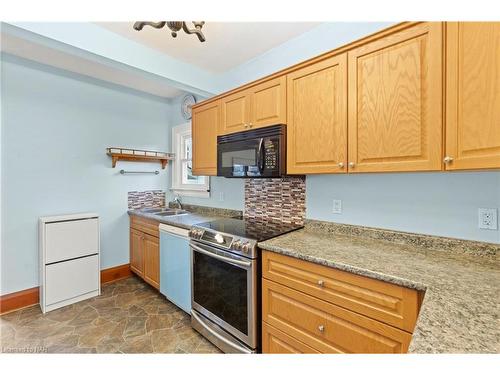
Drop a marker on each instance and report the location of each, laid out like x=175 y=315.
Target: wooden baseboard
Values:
x=115 y=273
x=18 y=300
x=28 y=297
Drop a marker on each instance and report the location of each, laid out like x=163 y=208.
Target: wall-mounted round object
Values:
x=187 y=102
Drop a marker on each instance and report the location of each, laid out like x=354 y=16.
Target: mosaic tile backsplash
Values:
x=146 y=199
x=280 y=199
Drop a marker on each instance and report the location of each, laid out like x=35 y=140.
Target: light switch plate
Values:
x=488 y=218
x=337 y=206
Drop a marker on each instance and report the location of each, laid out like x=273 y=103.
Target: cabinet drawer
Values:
x=71 y=239
x=276 y=342
x=148 y=226
x=71 y=279
x=326 y=327
x=388 y=303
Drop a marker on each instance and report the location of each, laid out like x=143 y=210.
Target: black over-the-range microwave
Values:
x=253 y=153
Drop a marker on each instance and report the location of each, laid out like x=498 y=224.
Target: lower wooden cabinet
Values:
x=277 y=342
x=388 y=303
x=152 y=260
x=136 y=252
x=145 y=250
x=326 y=327
x=299 y=317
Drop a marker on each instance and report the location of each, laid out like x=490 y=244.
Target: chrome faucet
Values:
x=178 y=201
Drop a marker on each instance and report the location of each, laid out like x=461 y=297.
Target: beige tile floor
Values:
x=128 y=317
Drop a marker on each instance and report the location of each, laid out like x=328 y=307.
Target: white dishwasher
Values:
x=175 y=266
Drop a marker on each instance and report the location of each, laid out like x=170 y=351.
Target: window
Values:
x=183 y=181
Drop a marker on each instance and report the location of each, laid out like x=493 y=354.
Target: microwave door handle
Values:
x=261 y=156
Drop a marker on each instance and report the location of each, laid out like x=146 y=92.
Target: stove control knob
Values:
x=245 y=247
x=199 y=233
x=237 y=245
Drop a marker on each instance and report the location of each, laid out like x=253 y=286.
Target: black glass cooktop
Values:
x=259 y=230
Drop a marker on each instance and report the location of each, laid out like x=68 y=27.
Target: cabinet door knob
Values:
x=321 y=283
x=245 y=125
x=321 y=328
x=250 y=125
x=351 y=164
x=448 y=159
x=341 y=165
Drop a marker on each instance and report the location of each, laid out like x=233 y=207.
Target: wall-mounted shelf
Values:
x=129 y=154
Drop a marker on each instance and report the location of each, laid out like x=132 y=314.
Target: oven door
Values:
x=224 y=289
x=243 y=158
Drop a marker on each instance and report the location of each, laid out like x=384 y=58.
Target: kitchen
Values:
x=330 y=188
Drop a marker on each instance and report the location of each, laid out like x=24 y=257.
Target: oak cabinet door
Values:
x=317 y=118
x=395 y=102
x=204 y=131
x=235 y=112
x=326 y=327
x=151 y=260
x=276 y=342
x=473 y=95
x=136 y=252
x=268 y=103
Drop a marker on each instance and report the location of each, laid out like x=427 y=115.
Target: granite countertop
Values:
x=460 y=311
x=196 y=215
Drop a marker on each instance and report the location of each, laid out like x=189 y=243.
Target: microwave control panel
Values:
x=271 y=154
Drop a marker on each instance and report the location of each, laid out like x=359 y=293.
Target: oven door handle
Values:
x=220 y=257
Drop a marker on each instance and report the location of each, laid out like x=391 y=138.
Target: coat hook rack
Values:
x=139 y=172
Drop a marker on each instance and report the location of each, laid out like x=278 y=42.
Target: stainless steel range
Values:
x=225 y=271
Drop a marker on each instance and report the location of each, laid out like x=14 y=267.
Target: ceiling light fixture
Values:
x=174 y=26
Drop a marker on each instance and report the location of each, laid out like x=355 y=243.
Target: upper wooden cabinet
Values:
x=205 y=122
x=260 y=105
x=268 y=103
x=317 y=118
x=472 y=95
x=377 y=104
x=235 y=112
x=395 y=102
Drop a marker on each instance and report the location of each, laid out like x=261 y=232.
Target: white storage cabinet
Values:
x=69 y=259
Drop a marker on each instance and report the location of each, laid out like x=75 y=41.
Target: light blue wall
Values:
x=55 y=129
x=231 y=189
x=443 y=204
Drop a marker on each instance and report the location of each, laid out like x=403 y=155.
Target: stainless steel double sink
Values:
x=165 y=211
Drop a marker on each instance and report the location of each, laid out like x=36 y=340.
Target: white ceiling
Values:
x=228 y=44
x=42 y=54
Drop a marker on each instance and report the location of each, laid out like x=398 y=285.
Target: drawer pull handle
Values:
x=321 y=283
x=321 y=328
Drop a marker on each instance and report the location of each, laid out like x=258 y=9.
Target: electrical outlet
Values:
x=488 y=218
x=221 y=196
x=337 y=206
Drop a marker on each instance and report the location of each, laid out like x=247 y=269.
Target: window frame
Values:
x=179 y=133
